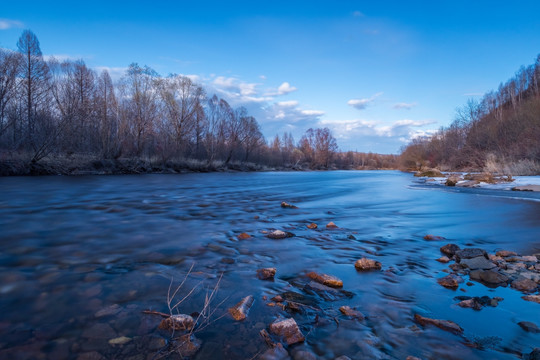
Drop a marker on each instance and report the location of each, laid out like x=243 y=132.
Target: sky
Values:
x=376 y=73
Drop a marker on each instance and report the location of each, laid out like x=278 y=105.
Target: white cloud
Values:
x=290 y=103
x=361 y=104
x=403 y=105
x=8 y=24
x=283 y=89
x=312 y=112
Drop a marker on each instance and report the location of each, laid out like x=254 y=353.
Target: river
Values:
x=81 y=258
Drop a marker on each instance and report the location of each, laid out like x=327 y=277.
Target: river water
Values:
x=82 y=257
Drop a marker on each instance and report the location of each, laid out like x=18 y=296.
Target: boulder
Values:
x=479 y=262
x=325 y=279
x=348 y=311
x=266 y=273
x=241 y=310
x=365 y=264
x=469 y=253
x=287 y=329
x=449 y=249
x=278 y=234
x=452 y=180
x=177 y=322
x=505 y=253
x=312 y=226
x=490 y=277
x=529 y=326
x=450 y=281
x=446 y=325
x=524 y=284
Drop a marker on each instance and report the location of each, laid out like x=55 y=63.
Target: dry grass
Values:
x=504 y=166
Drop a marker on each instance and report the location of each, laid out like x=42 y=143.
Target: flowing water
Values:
x=82 y=257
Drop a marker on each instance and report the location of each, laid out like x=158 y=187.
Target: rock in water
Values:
x=365 y=264
x=278 y=234
x=288 y=206
x=241 y=310
x=469 y=253
x=524 y=284
x=325 y=279
x=479 y=262
x=331 y=225
x=505 y=253
x=312 y=226
x=275 y=353
x=529 y=326
x=266 y=273
x=534 y=355
x=288 y=329
x=533 y=298
x=346 y=310
x=243 y=236
x=446 y=325
x=443 y=259
x=450 y=249
x=489 y=277
x=430 y=237
x=177 y=322
x=450 y=281
x=120 y=340
x=186 y=345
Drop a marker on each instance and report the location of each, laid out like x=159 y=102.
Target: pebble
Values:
x=450 y=281
x=288 y=206
x=430 y=237
x=243 y=236
x=275 y=353
x=364 y=264
x=325 y=279
x=449 y=249
x=288 y=329
x=443 y=259
x=469 y=253
x=279 y=234
x=479 y=262
x=312 y=226
x=505 y=253
x=120 y=340
x=266 y=273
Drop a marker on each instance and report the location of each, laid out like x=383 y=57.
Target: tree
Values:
x=9 y=67
x=34 y=80
x=325 y=147
x=107 y=113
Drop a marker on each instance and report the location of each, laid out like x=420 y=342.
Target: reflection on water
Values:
x=81 y=257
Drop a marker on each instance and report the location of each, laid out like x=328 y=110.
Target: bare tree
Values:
x=9 y=67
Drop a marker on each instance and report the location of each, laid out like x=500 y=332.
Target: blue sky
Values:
x=375 y=72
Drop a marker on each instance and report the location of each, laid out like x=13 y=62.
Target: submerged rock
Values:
x=120 y=340
x=450 y=281
x=279 y=234
x=243 y=236
x=534 y=355
x=186 y=345
x=450 y=249
x=431 y=237
x=477 y=303
x=241 y=310
x=348 y=311
x=266 y=273
x=326 y=292
x=275 y=353
x=365 y=264
x=446 y=325
x=312 y=226
x=529 y=326
x=177 y=322
x=288 y=329
x=325 y=279
x=288 y=206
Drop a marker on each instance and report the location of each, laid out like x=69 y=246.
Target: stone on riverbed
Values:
x=469 y=253
x=450 y=250
x=120 y=340
x=348 y=311
x=243 y=236
x=477 y=303
x=533 y=298
x=529 y=326
x=490 y=277
x=524 y=284
x=241 y=310
x=325 y=279
x=505 y=253
x=275 y=353
x=450 y=281
x=266 y=273
x=177 y=322
x=446 y=325
x=365 y=264
x=279 y=234
x=288 y=329
x=186 y=345
x=479 y=262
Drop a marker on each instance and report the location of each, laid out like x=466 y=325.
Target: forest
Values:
x=500 y=133
x=64 y=117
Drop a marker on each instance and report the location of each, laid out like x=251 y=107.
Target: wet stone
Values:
x=490 y=277
x=275 y=353
x=288 y=329
x=91 y=355
x=524 y=284
x=479 y=262
x=186 y=345
x=505 y=253
x=331 y=225
x=304 y=355
x=312 y=226
x=533 y=298
x=241 y=310
x=446 y=325
x=325 y=279
x=469 y=253
x=279 y=234
x=288 y=206
x=365 y=264
x=177 y=322
x=266 y=273
x=443 y=259
x=326 y=292
x=431 y=237
x=449 y=249
x=348 y=311
x=529 y=326
x=450 y=281
x=243 y=236
x=120 y=340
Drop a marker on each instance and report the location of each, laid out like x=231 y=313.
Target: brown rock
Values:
x=365 y=264
x=288 y=329
x=433 y=237
x=468 y=184
x=277 y=298
x=450 y=281
x=533 y=298
x=346 y=310
x=325 y=279
x=331 y=225
x=186 y=345
x=241 y=310
x=266 y=273
x=312 y=226
x=452 y=180
x=443 y=259
x=243 y=236
x=177 y=322
x=449 y=249
x=446 y=325
x=278 y=234
x=288 y=206
x=489 y=276
x=505 y=253
x=524 y=284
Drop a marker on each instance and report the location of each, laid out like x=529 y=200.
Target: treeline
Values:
x=52 y=109
x=500 y=133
